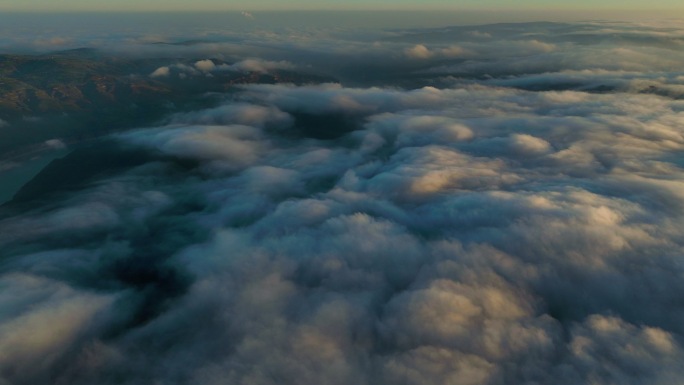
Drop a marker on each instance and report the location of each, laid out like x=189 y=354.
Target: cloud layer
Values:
x=472 y=232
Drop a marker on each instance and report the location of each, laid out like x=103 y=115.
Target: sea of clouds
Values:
x=512 y=220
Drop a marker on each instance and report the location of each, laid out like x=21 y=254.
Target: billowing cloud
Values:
x=419 y=51
x=47 y=318
x=205 y=65
x=486 y=229
x=237 y=113
x=161 y=72
x=227 y=147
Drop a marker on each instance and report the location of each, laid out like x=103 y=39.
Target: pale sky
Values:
x=233 y=5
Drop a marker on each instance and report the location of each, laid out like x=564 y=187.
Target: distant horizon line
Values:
x=402 y=10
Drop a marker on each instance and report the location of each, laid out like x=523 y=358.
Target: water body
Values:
x=20 y=172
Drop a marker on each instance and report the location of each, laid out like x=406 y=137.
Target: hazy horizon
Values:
x=19 y=31
x=244 y=5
